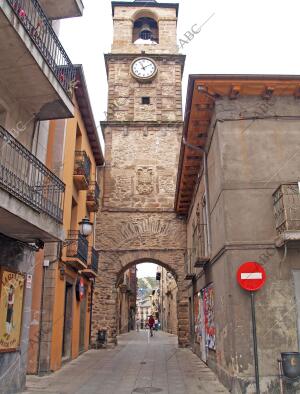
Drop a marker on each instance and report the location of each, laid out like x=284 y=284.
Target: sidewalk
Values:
x=134 y=366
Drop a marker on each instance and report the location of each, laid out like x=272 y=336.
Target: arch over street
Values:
x=159 y=239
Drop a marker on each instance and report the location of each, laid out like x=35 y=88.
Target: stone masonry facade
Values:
x=137 y=222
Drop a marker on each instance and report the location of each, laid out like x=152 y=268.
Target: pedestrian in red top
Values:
x=151 y=323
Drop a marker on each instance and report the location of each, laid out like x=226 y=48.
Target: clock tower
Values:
x=143 y=131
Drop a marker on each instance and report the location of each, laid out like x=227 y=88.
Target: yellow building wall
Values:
x=69 y=223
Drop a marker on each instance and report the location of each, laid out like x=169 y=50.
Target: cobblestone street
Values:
x=134 y=366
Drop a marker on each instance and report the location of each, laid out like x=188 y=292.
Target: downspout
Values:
x=207 y=204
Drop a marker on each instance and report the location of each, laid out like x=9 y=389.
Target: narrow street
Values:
x=134 y=366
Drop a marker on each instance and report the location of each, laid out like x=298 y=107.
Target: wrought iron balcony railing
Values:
x=286 y=202
x=37 y=25
x=93 y=196
x=77 y=246
x=82 y=166
x=200 y=248
x=94 y=260
x=28 y=179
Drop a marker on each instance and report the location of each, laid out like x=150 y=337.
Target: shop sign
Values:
x=11 y=307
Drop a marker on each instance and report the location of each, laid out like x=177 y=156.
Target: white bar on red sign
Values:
x=251 y=275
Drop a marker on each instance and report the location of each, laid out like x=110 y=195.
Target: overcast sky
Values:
x=257 y=36
x=146 y=269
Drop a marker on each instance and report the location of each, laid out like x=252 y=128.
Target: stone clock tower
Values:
x=142 y=133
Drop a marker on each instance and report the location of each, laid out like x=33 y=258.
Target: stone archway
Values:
x=158 y=238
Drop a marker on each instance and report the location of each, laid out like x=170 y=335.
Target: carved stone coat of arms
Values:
x=145 y=183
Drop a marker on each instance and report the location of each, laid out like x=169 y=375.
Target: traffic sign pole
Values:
x=251 y=276
x=255 y=341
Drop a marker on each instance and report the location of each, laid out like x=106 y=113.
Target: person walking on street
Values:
x=151 y=323
x=137 y=323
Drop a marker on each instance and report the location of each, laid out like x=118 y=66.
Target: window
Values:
x=145 y=100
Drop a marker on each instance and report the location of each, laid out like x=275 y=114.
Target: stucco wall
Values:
x=247 y=161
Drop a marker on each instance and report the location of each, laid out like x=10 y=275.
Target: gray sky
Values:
x=257 y=36
x=146 y=269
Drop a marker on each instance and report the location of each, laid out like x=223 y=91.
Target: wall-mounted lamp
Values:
x=62 y=272
x=85 y=227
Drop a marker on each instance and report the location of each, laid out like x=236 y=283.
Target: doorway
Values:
x=68 y=314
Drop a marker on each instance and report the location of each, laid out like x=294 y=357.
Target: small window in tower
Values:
x=145 y=100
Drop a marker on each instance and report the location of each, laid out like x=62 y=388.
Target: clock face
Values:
x=143 y=68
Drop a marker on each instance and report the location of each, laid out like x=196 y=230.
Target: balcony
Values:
x=77 y=250
x=82 y=170
x=188 y=266
x=62 y=9
x=34 y=67
x=92 y=199
x=286 y=203
x=199 y=251
x=31 y=196
x=92 y=269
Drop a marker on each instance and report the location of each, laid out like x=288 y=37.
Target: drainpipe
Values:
x=207 y=204
x=41 y=322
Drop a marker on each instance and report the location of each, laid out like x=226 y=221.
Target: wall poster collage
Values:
x=204 y=320
x=11 y=307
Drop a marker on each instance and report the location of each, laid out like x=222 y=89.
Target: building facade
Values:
x=137 y=222
x=62 y=311
x=237 y=186
x=36 y=85
x=127 y=300
x=167 y=300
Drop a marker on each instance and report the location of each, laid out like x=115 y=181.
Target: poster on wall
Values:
x=209 y=317
x=11 y=306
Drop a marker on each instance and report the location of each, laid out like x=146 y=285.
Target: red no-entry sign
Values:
x=251 y=276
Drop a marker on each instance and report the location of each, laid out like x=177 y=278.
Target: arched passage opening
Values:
x=113 y=264
x=147 y=288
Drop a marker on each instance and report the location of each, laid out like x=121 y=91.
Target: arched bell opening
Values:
x=145 y=31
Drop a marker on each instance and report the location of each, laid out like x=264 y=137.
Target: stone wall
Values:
x=125 y=92
x=125 y=239
x=123 y=29
x=137 y=222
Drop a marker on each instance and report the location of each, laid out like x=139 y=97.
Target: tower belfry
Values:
x=142 y=133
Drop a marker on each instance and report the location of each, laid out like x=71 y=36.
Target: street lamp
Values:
x=85 y=227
